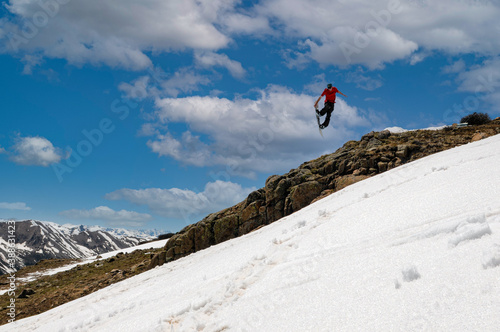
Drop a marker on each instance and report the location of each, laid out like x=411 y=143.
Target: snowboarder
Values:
x=330 y=93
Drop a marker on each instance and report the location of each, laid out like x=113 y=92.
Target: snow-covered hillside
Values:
x=416 y=248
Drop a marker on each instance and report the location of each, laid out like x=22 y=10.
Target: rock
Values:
x=203 y=234
x=165 y=236
x=372 y=143
x=385 y=159
x=136 y=267
x=329 y=168
x=302 y=195
x=26 y=293
x=347 y=180
x=226 y=228
x=251 y=212
x=478 y=136
x=254 y=196
x=181 y=243
x=343 y=167
x=368 y=136
x=323 y=194
x=170 y=254
x=382 y=166
x=158 y=260
x=403 y=151
x=384 y=134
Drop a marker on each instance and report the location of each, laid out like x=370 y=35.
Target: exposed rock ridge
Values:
x=282 y=195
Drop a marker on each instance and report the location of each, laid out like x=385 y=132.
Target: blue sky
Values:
x=152 y=114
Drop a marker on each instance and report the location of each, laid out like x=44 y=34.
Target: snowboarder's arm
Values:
x=342 y=94
x=317 y=101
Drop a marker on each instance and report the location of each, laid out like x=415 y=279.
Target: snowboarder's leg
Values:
x=328 y=112
x=327 y=109
x=324 y=110
x=327 y=120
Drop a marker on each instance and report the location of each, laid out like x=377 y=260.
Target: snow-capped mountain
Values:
x=143 y=235
x=416 y=248
x=37 y=240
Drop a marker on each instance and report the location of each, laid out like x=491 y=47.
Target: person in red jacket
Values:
x=330 y=95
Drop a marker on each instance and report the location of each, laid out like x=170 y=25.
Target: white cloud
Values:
x=121 y=33
x=14 y=206
x=138 y=90
x=158 y=83
x=183 y=81
x=456 y=67
x=184 y=203
x=483 y=81
x=418 y=57
x=35 y=151
x=273 y=132
x=341 y=47
x=363 y=81
x=374 y=32
x=117 y=33
x=239 y=23
x=122 y=217
x=211 y=59
x=30 y=61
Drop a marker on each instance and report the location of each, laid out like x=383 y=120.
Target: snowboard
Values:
x=319 y=122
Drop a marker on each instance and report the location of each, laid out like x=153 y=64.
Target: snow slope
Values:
x=416 y=248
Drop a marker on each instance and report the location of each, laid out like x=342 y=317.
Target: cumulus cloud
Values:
x=117 y=33
x=483 y=81
x=375 y=32
x=183 y=203
x=122 y=217
x=272 y=132
x=14 y=206
x=35 y=151
x=158 y=84
x=456 y=67
x=211 y=59
x=121 y=33
x=243 y=23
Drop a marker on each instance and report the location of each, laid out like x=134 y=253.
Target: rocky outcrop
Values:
x=283 y=195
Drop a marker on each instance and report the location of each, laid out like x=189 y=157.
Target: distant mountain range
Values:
x=37 y=240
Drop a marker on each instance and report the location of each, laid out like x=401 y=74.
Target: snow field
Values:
x=416 y=248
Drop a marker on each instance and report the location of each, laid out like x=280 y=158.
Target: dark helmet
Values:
x=329 y=85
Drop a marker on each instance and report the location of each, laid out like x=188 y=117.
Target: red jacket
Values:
x=330 y=95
